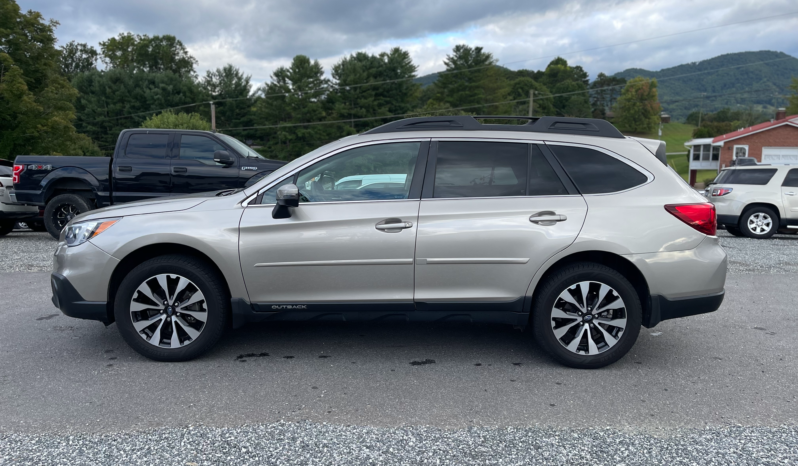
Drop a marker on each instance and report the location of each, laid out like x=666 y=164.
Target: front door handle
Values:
x=789 y=194
x=393 y=225
x=179 y=169
x=547 y=218
x=125 y=169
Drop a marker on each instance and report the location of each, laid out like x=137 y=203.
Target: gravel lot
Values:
x=32 y=252
x=710 y=389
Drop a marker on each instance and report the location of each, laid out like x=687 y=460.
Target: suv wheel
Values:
x=587 y=315
x=759 y=222
x=171 y=308
x=61 y=209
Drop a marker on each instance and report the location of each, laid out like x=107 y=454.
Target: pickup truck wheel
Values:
x=61 y=209
x=6 y=227
x=172 y=308
x=759 y=222
x=586 y=315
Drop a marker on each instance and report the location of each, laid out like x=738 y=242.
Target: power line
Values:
x=766 y=18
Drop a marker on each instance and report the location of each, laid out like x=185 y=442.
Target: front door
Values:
x=789 y=195
x=142 y=170
x=193 y=168
x=491 y=214
x=347 y=246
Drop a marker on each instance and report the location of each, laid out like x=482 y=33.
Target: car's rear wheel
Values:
x=61 y=209
x=734 y=231
x=759 y=222
x=586 y=315
x=6 y=227
x=172 y=308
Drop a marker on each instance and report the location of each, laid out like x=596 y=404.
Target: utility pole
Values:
x=701 y=108
x=213 y=117
x=531 y=101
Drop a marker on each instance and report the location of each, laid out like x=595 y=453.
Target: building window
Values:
x=715 y=153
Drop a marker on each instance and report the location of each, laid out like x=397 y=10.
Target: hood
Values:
x=150 y=206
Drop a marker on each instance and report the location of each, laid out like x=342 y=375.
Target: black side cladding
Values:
x=546 y=124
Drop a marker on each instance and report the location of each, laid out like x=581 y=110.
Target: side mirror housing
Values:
x=287 y=196
x=223 y=157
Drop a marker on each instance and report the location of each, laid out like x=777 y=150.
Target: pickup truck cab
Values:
x=146 y=163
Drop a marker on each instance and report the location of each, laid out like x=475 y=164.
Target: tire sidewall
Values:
x=203 y=278
x=566 y=278
x=755 y=210
x=81 y=203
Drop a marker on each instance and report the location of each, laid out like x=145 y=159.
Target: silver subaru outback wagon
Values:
x=560 y=225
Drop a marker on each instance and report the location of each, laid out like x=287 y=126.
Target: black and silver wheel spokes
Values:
x=168 y=310
x=63 y=214
x=588 y=318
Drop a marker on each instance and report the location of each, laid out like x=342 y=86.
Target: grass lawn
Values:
x=675 y=135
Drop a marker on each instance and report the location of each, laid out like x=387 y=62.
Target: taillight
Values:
x=17 y=170
x=699 y=216
x=721 y=191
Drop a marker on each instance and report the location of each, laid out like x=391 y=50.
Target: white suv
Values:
x=757 y=201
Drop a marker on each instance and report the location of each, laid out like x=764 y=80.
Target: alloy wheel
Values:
x=760 y=223
x=63 y=214
x=168 y=311
x=588 y=318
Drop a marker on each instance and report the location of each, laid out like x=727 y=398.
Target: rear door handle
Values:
x=547 y=218
x=179 y=169
x=789 y=194
x=124 y=169
x=394 y=226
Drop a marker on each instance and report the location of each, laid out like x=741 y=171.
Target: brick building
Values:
x=774 y=142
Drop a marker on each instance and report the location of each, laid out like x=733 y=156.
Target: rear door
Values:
x=193 y=168
x=141 y=171
x=491 y=214
x=789 y=195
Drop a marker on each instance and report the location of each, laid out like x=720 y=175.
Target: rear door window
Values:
x=792 y=179
x=480 y=169
x=751 y=176
x=595 y=172
x=147 y=146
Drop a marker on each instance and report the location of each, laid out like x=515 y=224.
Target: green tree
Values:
x=543 y=103
x=792 y=107
x=296 y=96
x=77 y=58
x=638 y=106
x=229 y=88
x=135 y=52
x=569 y=86
x=171 y=120
x=36 y=110
x=712 y=129
x=558 y=71
x=604 y=92
x=472 y=79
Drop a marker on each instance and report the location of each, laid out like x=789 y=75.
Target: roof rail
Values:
x=545 y=124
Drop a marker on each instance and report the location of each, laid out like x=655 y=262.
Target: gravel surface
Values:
x=323 y=444
x=32 y=252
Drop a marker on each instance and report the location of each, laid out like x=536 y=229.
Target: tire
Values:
x=21 y=226
x=759 y=222
x=61 y=209
x=6 y=227
x=734 y=231
x=194 y=337
x=573 y=325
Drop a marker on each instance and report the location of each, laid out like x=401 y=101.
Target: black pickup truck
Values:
x=146 y=163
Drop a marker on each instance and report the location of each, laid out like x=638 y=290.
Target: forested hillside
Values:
x=745 y=85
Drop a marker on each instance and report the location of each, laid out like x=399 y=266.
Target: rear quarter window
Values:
x=6 y=171
x=595 y=172
x=759 y=177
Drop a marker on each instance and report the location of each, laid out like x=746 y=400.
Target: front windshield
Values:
x=244 y=149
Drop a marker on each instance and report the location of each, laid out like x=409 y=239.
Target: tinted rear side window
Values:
x=6 y=171
x=791 y=180
x=481 y=169
x=147 y=146
x=594 y=172
x=756 y=177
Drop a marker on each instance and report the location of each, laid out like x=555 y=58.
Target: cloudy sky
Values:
x=259 y=36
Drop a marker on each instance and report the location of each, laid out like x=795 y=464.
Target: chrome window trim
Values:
x=257 y=193
x=649 y=176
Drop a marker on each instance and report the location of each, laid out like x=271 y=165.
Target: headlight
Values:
x=79 y=233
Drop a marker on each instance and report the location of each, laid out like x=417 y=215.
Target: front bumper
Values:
x=71 y=303
x=663 y=308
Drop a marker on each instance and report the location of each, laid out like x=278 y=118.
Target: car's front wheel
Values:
x=172 y=308
x=586 y=315
x=759 y=222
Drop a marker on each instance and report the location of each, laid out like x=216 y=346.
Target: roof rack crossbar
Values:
x=545 y=124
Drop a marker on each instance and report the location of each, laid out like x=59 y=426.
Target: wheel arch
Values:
x=69 y=180
x=145 y=253
x=609 y=259
x=754 y=205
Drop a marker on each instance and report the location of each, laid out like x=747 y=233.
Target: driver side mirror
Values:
x=287 y=196
x=223 y=157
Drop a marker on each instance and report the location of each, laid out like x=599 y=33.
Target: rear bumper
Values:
x=665 y=309
x=71 y=303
